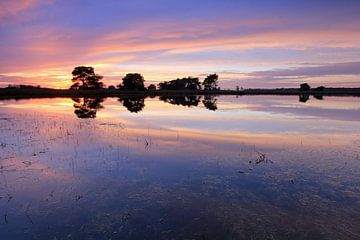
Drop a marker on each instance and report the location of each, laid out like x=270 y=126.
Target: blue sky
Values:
x=248 y=43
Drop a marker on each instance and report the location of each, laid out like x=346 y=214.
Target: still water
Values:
x=252 y=167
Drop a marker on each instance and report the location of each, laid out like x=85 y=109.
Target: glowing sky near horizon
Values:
x=268 y=43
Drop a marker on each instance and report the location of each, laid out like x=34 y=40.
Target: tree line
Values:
x=85 y=78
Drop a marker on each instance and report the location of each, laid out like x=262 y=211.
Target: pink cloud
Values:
x=12 y=8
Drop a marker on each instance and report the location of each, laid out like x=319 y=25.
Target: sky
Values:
x=251 y=44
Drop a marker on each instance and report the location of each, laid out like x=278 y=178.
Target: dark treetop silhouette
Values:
x=85 y=78
x=211 y=82
x=133 y=82
x=188 y=83
x=305 y=87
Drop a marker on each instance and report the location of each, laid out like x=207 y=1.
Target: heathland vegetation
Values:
x=86 y=83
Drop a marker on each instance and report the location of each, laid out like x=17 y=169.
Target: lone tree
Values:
x=133 y=81
x=85 y=78
x=304 y=87
x=210 y=82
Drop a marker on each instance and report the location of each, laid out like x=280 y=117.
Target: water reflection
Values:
x=210 y=102
x=87 y=107
x=319 y=96
x=133 y=104
x=261 y=168
x=304 y=97
x=183 y=100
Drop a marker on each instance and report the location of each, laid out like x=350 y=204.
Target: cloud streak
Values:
x=244 y=37
x=347 y=68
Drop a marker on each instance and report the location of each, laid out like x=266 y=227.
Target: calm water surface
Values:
x=254 y=167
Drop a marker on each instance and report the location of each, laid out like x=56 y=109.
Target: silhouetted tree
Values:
x=133 y=81
x=87 y=107
x=111 y=87
x=133 y=104
x=188 y=101
x=210 y=102
x=304 y=87
x=85 y=78
x=151 y=87
x=211 y=82
x=188 y=83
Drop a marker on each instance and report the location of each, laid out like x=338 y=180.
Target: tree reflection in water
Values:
x=304 y=97
x=87 y=107
x=188 y=101
x=210 y=102
x=133 y=104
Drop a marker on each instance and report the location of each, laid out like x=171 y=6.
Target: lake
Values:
x=225 y=167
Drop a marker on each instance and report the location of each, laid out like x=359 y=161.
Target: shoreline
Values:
x=10 y=93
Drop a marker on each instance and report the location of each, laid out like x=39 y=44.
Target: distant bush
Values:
x=304 y=87
x=188 y=83
x=319 y=89
x=23 y=87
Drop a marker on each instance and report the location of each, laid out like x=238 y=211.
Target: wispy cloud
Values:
x=13 y=7
x=347 y=68
x=184 y=36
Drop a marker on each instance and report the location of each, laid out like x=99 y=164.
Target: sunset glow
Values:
x=248 y=43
